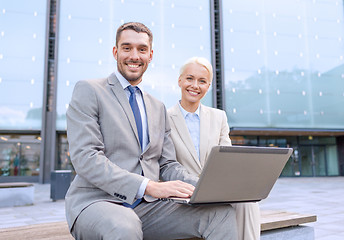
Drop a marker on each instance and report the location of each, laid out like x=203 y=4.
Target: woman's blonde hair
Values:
x=201 y=61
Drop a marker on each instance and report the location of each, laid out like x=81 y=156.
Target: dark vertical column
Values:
x=217 y=54
x=48 y=133
x=340 y=148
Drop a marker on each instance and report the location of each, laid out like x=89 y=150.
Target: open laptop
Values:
x=238 y=174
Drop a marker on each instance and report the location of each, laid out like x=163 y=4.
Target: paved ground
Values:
x=323 y=197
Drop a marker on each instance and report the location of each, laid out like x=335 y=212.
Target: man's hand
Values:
x=169 y=189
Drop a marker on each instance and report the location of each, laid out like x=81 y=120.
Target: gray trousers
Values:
x=157 y=220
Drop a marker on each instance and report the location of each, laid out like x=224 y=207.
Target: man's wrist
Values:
x=142 y=188
x=149 y=187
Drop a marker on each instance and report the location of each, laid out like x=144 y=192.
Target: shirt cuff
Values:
x=142 y=188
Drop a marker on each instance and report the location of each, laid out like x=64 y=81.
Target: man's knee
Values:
x=105 y=221
x=124 y=229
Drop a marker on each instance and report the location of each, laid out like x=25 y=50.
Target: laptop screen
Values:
x=239 y=173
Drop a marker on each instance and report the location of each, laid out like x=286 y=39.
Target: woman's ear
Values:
x=179 y=81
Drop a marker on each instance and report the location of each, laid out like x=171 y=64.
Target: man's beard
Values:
x=131 y=78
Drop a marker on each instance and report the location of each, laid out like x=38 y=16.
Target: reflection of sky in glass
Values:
x=181 y=30
x=22 y=46
x=284 y=63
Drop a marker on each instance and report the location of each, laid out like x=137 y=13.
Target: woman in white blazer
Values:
x=196 y=128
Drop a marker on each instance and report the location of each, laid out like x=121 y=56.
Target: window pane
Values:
x=332 y=162
x=19 y=155
x=284 y=63
x=22 y=47
x=87 y=36
x=63 y=157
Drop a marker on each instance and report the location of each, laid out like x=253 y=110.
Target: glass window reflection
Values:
x=284 y=63
x=22 y=47
x=87 y=36
x=19 y=155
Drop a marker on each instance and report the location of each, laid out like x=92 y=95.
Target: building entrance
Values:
x=312 y=156
x=312 y=161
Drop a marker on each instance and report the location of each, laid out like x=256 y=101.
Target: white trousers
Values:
x=248 y=220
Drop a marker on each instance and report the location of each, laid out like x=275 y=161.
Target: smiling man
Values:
x=133 y=52
x=120 y=147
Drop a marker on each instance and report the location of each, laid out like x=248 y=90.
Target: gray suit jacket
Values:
x=105 y=150
x=214 y=131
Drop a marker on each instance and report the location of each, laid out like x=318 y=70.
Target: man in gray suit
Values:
x=120 y=147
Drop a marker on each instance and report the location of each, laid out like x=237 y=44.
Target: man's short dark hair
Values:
x=137 y=27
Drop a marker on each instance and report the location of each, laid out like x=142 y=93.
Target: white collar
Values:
x=124 y=82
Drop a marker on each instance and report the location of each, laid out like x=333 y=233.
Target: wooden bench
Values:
x=280 y=219
x=15 y=184
x=59 y=230
x=16 y=194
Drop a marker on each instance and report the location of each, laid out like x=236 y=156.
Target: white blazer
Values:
x=214 y=131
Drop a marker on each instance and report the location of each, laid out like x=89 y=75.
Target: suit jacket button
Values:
x=141 y=157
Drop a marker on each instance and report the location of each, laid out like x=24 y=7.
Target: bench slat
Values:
x=15 y=184
x=44 y=231
x=59 y=230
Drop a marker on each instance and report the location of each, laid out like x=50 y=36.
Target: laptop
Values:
x=238 y=174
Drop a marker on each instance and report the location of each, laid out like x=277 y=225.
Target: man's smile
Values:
x=133 y=65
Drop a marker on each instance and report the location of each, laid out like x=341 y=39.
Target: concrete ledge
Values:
x=16 y=194
x=290 y=233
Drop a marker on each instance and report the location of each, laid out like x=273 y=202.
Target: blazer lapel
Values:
x=121 y=96
x=183 y=131
x=205 y=128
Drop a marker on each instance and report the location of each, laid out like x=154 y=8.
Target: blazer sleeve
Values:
x=86 y=147
x=224 y=135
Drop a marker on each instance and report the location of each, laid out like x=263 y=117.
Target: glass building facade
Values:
x=282 y=67
x=284 y=63
x=22 y=51
x=86 y=52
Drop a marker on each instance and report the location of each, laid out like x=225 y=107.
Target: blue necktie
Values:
x=135 y=108
x=136 y=111
x=137 y=201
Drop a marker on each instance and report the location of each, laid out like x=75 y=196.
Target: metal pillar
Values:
x=48 y=133
x=217 y=54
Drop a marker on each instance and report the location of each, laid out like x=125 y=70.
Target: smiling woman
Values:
x=196 y=128
x=194 y=81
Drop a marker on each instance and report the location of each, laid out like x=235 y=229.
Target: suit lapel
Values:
x=204 y=133
x=150 y=120
x=121 y=96
x=183 y=131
